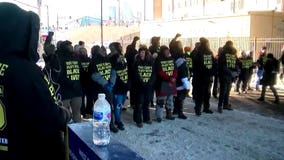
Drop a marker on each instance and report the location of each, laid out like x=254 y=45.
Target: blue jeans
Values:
x=118 y=102
x=259 y=74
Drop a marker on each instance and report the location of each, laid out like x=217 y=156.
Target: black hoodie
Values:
x=30 y=120
x=101 y=72
x=120 y=66
x=69 y=77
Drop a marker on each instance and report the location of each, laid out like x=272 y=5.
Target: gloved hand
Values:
x=108 y=87
x=185 y=83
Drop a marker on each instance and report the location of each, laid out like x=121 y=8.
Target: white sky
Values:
x=74 y=8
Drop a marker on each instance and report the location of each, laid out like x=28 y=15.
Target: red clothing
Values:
x=167 y=73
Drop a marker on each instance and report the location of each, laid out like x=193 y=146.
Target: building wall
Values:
x=233 y=26
x=183 y=9
x=157 y=9
x=267 y=24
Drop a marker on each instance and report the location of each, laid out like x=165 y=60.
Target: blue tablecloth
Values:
x=81 y=146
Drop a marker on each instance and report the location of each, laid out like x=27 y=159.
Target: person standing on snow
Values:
x=203 y=71
x=228 y=72
x=144 y=79
x=271 y=68
x=166 y=83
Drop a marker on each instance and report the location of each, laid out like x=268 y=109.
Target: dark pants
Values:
x=142 y=107
x=225 y=88
x=178 y=101
x=202 y=95
x=83 y=106
x=132 y=89
x=243 y=78
x=272 y=89
x=216 y=86
x=91 y=96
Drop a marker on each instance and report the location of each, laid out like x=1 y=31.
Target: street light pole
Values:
x=47 y=14
x=102 y=27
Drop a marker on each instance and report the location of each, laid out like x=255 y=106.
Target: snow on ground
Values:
x=233 y=135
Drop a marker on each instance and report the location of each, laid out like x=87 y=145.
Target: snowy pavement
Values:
x=253 y=131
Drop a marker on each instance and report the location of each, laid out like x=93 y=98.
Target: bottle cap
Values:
x=101 y=96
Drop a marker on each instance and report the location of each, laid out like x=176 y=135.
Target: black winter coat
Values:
x=69 y=77
x=270 y=72
x=30 y=121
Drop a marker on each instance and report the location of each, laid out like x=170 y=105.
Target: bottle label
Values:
x=109 y=115
x=98 y=116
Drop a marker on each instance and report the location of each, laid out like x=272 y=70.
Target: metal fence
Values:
x=273 y=45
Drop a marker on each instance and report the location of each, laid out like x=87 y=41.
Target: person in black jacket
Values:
x=203 y=70
x=228 y=72
x=85 y=79
x=121 y=85
x=144 y=78
x=269 y=77
x=103 y=79
x=154 y=49
x=260 y=64
x=31 y=122
x=165 y=86
x=282 y=62
x=246 y=62
x=130 y=54
x=69 y=80
x=182 y=82
x=52 y=66
x=192 y=56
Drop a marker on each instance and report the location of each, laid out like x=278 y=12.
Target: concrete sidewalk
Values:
x=254 y=130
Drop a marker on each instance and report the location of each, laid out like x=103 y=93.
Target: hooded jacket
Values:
x=166 y=71
x=203 y=66
x=144 y=74
x=30 y=121
x=121 y=85
x=69 y=77
x=228 y=64
x=101 y=72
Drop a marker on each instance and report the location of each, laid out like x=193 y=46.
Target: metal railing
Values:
x=273 y=45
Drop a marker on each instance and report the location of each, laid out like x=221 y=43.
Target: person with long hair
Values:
x=166 y=83
x=203 y=71
x=182 y=81
x=144 y=78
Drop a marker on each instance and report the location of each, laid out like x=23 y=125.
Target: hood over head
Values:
x=19 y=32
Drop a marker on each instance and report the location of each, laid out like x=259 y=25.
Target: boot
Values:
x=261 y=99
x=111 y=125
x=197 y=111
x=169 y=114
x=180 y=113
x=228 y=107
x=207 y=110
x=276 y=100
x=220 y=109
x=113 y=128
x=181 y=116
x=175 y=112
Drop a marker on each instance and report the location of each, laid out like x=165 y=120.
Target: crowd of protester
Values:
x=171 y=73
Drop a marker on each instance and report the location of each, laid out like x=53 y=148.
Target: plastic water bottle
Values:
x=101 y=120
